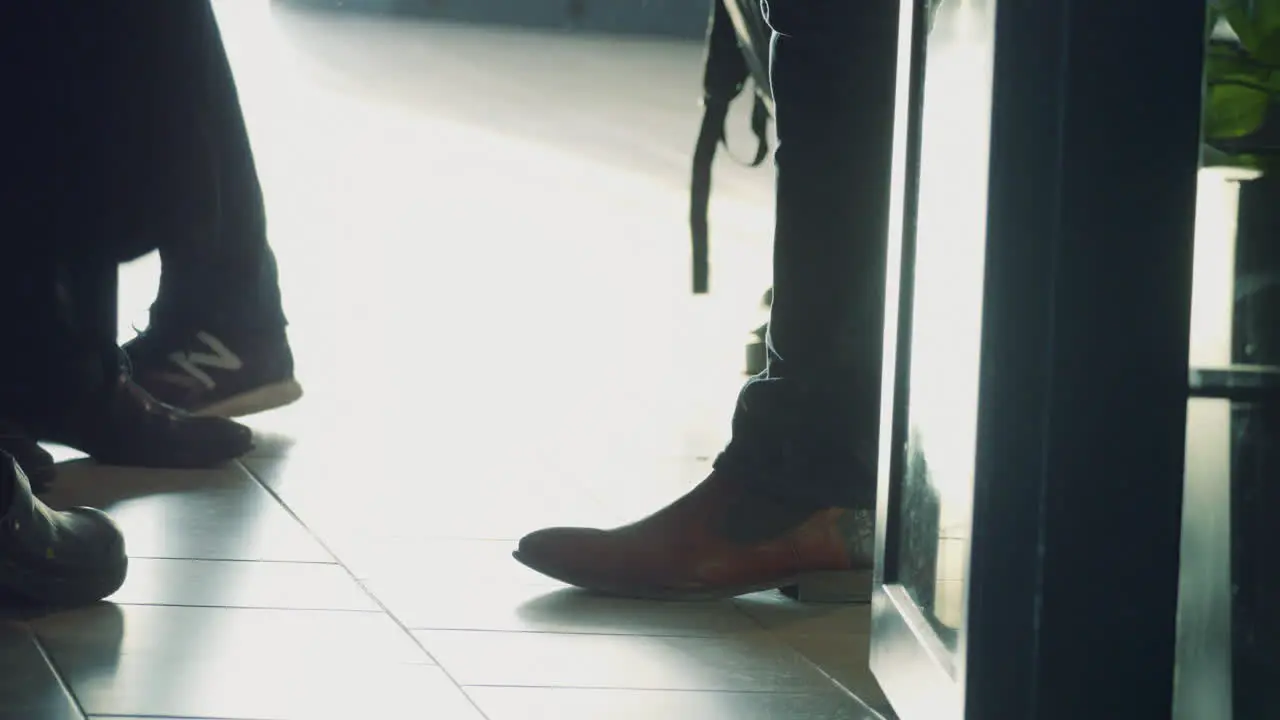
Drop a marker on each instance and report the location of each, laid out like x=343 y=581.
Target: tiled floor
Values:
x=484 y=255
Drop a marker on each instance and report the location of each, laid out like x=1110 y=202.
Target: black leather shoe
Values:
x=53 y=558
x=122 y=424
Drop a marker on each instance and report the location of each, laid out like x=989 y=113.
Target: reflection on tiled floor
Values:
x=484 y=255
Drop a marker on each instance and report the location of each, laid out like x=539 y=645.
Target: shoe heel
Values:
x=845 y=586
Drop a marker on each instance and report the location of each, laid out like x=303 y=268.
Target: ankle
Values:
x=231 y=319
x=753 y=516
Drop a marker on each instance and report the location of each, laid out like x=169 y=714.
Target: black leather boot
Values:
x=52 y=558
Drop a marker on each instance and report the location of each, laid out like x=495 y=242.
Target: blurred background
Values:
x=672 y=18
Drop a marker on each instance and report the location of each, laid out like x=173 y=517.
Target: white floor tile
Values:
x=220 y=514
x=300 y=690
x=238 y=663
x=29 y=688
x=779 y=613
x=738 y=663
x=431 y=561
x=382 y=497
x=477 y=606
x=227 y=635
x=845 y=659
x=219 y=583
x=501 y=703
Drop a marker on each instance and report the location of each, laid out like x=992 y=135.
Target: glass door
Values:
x=942 y=191
x=1035 y=397
x=1228 y=634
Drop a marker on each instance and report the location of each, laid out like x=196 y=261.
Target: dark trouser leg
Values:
x=806 y=429
x=70 y=213
x=789 y=505
x=51 y=162
x=216 y=343
x=51 y=357
x=54 y=178
x=218 y=268
x=1257 y=330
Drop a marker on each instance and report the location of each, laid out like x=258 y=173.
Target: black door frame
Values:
x=1073 y=573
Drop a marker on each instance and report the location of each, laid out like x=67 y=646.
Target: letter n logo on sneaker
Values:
x=219 y=357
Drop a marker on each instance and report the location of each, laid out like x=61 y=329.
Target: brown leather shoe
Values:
x=717 y=541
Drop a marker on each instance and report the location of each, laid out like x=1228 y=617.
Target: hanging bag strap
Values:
x=724 y=77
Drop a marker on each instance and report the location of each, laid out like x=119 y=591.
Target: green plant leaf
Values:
x=1223 y=67
x=1266 y=16
x=1268 y=51
x=1242 y=79
x=1234 y=111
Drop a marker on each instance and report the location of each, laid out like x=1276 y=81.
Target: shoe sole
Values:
x=834 y=587
x=261 y=399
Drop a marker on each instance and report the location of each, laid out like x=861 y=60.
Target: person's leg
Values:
x=61 y=381
x=216 y=343
x=815 y=411
x=61 y=375
x=220 y=268
x=793 y=494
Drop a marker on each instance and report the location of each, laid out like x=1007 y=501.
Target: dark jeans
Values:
x=123 y=134
x=136 y=142
x=218 y=269
x=55 y=206
x=807 y=428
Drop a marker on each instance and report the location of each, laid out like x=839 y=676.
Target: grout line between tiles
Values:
x=563 y=631
x=759 y=624
x=376 y=600
x=57 y=672
x=691 y=691
x=837 y=684
x=570 y=633
x=251 y=607
x=235 y=560
x=106 y=715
